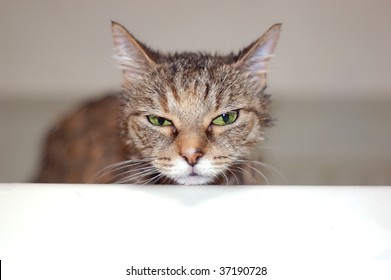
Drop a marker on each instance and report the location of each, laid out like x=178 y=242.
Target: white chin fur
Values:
x=181 y=171
x=193 y=180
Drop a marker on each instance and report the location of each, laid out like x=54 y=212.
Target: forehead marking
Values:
x=175 y=94
x=206 y=93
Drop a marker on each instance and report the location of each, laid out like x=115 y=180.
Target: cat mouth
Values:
x=184 y=174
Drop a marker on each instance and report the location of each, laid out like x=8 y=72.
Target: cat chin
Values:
x=183 y=174
x=194 y=180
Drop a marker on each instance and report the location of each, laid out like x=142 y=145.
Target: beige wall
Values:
x=328 y=48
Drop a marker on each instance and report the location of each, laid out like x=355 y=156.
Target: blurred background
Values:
x=330 y=79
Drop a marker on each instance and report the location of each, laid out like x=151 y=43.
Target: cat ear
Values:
x=131 y=55
x=255 y=57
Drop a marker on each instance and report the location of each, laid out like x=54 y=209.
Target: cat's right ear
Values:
x=130 y=54
x=255 y=57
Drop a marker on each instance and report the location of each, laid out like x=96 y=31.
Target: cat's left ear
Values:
x=255 y=57
x=133 y=57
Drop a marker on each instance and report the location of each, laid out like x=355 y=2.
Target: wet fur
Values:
x=110 y=139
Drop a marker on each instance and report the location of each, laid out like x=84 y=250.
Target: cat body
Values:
x=186 y=118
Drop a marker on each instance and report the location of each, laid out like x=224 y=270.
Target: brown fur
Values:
x=188 y=89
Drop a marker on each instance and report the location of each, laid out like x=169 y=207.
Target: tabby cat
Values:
x=184 y=118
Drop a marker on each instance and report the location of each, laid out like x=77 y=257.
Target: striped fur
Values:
x=190 y=90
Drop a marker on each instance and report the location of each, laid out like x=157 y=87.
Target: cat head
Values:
x=193 y=115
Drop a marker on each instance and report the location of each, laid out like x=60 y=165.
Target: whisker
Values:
x=243 y=171
x=233 y=173
x=116 y=167
x=262 y=164
x=166 y=180
x=131 y=171
x=136 y=177
x=153 y=179
x=226 y=179
x=124 y=163
x=260 y=173
x=272 y=168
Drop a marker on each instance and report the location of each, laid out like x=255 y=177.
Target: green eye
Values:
x=159 y=121
x=226 y=118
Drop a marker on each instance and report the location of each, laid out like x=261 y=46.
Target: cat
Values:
x=184 y=118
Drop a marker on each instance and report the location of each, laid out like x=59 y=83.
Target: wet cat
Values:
x=183 y=118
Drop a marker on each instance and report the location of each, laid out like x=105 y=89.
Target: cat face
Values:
x=193 y=115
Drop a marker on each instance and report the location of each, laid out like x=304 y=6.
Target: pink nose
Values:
x=192 y=157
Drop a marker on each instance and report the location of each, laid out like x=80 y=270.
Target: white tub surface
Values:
x=99 y=231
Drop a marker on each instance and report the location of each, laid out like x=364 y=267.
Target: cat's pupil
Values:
x=225 y=118
x=161 y=120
